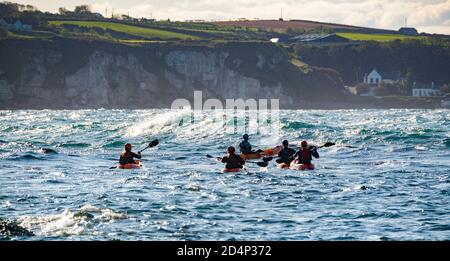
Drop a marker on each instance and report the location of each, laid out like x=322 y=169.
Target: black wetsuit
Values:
x=245 y=147
x=304 y=156
x=233 y=162
x=286 y=155
x=127 y=158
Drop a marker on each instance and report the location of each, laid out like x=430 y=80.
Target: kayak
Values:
x=265 y=152
x=136 y=165
x=283 y=166
x=302 y=166
x=231 y=170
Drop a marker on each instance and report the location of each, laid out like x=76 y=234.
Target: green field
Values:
x=377 y=37
x=129 y=29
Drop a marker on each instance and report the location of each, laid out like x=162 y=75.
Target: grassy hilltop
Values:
x=82 y=23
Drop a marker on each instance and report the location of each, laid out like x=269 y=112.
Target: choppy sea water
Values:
x=386 y=179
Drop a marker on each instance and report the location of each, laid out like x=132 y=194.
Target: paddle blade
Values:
x=329 y=144
x=267 y=159
x=209 y=156
x=153 y=143
x=262 y=164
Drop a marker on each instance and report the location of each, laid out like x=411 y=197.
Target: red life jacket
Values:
x=305 y=156
x=126 y=154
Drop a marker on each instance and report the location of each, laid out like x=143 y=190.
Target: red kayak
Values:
x=231 y=170
x=302 y=166
x=136 y=165
x=283 y=166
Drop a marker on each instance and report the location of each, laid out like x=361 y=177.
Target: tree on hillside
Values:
x=9 y=10
x=3 y=32
x=382 y=90
x=445 y=89
x=362 y=88
x=82 y=9
x=386 y=89
x=63 y=11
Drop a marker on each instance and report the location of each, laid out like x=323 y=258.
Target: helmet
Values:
x=285 y=143
x=245 y=137
x=128 y=147
x=304 y=144
x=231 y=150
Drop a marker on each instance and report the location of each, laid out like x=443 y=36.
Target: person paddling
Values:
x=127 y=157
x=232 y=160
x=286 y=155
x=305 y=154
x=245 y=147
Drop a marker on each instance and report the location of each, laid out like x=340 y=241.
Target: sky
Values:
x=431 y=16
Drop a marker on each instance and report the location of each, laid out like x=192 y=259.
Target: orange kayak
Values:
x=267 y=152
x=136 y=165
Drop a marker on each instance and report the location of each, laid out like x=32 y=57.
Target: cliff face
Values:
x=419 y=62
x=75 y=74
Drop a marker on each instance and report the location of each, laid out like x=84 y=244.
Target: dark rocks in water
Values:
x=47 y=151
x=364 y=187
x=84 y=215
x=11 y=228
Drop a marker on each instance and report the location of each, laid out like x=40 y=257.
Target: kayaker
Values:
x=127 y=157
x=305 y=154
x=286 y=155
x=245 y=147
x=232 y=160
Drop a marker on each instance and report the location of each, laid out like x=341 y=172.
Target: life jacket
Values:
x=126 y=158
x=126 y=155
x=245 y=147
x=234 y=162
x=286 y=153
x=305 y=156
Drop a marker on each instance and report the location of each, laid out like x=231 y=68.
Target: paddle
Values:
x=261 y=164
x=150 y=145
x=327 y=144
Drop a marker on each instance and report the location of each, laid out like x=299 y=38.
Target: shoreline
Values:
x=349 y=103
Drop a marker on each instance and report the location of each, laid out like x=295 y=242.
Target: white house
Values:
x=373 y=77
x=425 y=90
x=16 y=26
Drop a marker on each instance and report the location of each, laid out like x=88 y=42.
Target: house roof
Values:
x=408 y=30
x=316 y=37
x=391 y=75
x=425 y=86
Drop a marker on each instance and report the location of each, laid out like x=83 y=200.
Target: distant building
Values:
x=425 y=90
x=144 y=20
x=375 y=77
x=16 y=26
x=312 y=39
x=408 y=31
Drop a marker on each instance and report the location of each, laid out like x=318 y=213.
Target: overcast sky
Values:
x=431 y=16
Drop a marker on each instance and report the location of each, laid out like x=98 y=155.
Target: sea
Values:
x=386 y=178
